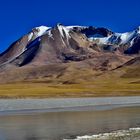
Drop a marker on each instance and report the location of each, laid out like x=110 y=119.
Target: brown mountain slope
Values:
x=71 y=80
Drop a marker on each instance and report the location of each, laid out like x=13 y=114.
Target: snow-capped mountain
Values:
x=47 y=45
x=51 y=52
x=59 y=44
x=117 y=38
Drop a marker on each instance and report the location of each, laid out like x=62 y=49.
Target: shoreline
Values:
x=67 y=109
x=114 y=135
x=27 y=106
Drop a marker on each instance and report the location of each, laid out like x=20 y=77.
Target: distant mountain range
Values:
x=61 y=50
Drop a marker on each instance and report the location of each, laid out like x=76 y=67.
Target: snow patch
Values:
x=126 y=37
x=38 y=32
x=50 y=33
x=96 y=36
x=102 y=40
x=41 y=30
x=76 y=26
x=63 y=31
x=138 y=30
x=30 y=36
x=116 y=38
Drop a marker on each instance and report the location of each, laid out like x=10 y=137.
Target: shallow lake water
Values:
x=67 y=125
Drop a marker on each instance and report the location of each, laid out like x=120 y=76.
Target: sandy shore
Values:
x=67 y=104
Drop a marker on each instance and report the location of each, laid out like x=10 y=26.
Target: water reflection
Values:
x=56 y=126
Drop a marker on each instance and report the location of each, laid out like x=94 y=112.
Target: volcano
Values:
x=68 y=54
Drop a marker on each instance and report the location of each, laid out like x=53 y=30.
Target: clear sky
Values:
x=17 y=17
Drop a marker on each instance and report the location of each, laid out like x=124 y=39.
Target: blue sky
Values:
x=17 y=17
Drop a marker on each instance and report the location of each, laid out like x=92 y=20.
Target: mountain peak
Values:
x=37 y=32
x=41 y=30
x=59 y=24
x=64 y=31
